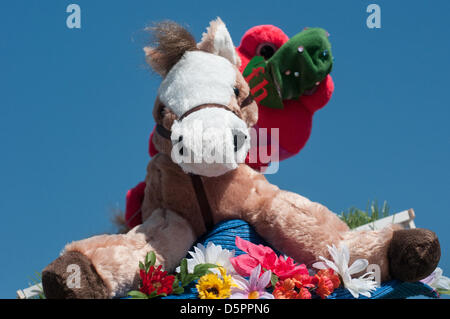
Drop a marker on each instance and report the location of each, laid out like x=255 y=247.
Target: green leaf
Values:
x=176 y=282
x=273 y=280
x=153 y=295
x=443 y=291
x=176 y=287
x=188 y=279
x=183 y=266
x=141 y=266
x=150 y=259
x=135 y=294
x=178 y=290
x=183 y=270
x=202 y=269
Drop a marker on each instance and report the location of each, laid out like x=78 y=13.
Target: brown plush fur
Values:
x=173 y=220
x=172 y=42
x=414 y=252
x=54 y=279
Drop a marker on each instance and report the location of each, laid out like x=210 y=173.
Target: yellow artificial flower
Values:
x=213 y=286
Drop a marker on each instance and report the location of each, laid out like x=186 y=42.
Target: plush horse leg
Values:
x=404 y=254
x=302 y=229
x=109 y=264
x=371 y=245
x=295 y=225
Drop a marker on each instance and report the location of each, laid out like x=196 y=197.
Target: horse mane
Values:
x=169 y=42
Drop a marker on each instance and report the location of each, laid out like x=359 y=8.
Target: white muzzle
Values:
x=210 y=142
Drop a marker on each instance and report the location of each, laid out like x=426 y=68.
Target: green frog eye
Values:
x=266 y=50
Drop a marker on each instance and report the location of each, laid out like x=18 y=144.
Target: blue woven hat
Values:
x=224 y=234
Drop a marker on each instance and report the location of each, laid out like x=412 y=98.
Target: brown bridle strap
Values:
x=202 y=200
x=162 y=131
x=197 y=184
x=205 y=106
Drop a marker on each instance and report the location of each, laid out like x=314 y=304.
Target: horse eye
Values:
x=236 y=91
x=162 y=111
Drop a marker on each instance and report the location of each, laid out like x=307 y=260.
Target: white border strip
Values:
x=30 y=292
x=404 y=218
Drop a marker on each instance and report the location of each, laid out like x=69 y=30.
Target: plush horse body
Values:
x=188 y=190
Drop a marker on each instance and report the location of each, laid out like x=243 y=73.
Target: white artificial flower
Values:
x=437 y=281
x=211 y=254
x=341 y=257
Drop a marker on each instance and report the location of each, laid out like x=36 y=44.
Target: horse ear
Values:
x=171 y=42
x=217 y=40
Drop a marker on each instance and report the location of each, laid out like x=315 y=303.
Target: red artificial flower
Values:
x=331 y=275
x=285 y=289
x=304 y=294
x=157 y=281
x=261 y=255
x=304 y=281
x=327 y=281
x=290 y=289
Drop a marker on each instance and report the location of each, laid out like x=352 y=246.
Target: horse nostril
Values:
x=180 y=139
x=238 y=139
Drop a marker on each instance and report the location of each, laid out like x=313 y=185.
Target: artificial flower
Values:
x=213 y=286
x=254 y=288
x=290 y=289
x=327 y=281
x=304 y=294
x=437 y=281
x=304 y=281
x=362 y=285
x=284 y=289
x=330 y=274
x=211 y=254
x=157 y=281
x=283 y=267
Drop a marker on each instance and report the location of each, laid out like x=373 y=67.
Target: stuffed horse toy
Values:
x=304 y=85
x=204 y=113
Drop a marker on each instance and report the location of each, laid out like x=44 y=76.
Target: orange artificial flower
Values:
x=284 y=289
x=291 y=288
x=304 y=294
x=331 y=275
x=327 y=281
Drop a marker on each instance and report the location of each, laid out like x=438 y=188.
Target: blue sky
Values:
x=75 y=114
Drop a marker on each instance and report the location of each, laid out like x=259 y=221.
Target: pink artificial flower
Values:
x=267 y=258
x=254 y=288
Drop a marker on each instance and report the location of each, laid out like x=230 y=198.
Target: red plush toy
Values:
x=311 y=91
